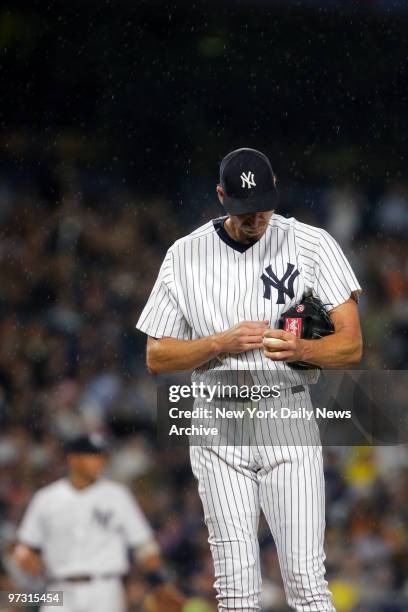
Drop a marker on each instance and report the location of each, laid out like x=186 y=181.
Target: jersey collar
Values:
x=225 y=237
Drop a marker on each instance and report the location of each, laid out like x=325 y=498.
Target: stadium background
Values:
x=115 y=116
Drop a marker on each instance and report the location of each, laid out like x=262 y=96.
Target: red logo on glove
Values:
x=300 y=308
x=294 y=326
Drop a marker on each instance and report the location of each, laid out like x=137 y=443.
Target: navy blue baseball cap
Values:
x=248 y=181
x=92 y=444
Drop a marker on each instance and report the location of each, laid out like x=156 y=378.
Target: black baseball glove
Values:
x=308 y=320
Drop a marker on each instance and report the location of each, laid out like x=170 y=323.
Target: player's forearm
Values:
x=172 y=354
x=338 y=350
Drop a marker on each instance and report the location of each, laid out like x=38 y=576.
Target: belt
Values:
x=86 y=578
x=297 y=389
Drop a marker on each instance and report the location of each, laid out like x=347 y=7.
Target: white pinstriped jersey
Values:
x=84 y=531
x=208 y=282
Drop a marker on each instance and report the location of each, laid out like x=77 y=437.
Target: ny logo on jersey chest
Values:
x=283 y=285
x=102 y=518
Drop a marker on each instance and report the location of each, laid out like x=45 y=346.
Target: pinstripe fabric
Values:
x=206 y=285
x=285 y=481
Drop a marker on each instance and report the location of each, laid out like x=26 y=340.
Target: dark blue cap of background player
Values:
x=92 y=444
x=248 y=181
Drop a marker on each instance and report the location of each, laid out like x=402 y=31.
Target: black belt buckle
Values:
x=297 y=389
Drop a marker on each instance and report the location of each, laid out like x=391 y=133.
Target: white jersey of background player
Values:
x=214 y=308
x=81 y=532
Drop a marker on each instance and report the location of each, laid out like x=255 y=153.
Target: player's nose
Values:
x=255 y=219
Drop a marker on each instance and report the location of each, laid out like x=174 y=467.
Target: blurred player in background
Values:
x=81 y=533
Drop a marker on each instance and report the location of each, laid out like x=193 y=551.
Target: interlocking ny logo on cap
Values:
x=248 y=180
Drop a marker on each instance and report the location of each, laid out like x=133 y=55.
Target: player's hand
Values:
x=280 y=345
x=244 y=336
x=28 y=560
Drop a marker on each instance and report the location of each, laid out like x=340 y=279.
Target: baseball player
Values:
x=215 y=308
x=80 y=532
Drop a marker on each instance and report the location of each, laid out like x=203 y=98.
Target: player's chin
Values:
x=253 y=234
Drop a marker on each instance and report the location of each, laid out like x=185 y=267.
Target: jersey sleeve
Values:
x=32 y=529
x=162 y=315
x=137 y=530
x=335 y=280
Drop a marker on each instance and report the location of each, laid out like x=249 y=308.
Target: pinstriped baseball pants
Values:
x=286 y=482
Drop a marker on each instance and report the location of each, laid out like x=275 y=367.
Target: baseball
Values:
x=269 y=342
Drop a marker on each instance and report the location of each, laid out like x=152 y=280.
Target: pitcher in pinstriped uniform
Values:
x=214 y=309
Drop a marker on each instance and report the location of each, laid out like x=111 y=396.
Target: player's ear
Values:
x=220 y=193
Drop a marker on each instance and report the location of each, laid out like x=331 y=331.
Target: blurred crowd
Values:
x=78 y=257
